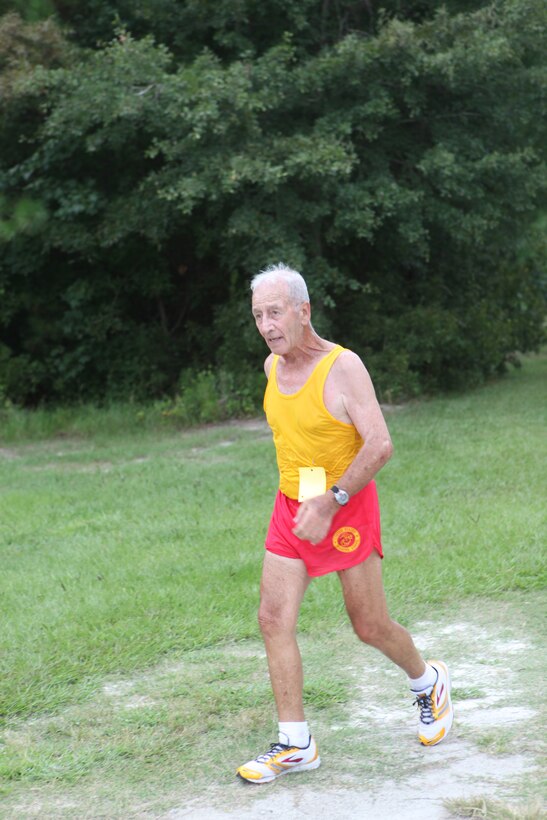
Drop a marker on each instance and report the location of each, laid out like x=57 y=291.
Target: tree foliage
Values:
x=398 y=162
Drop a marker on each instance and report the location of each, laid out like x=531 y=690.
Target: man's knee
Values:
x=372 y=631
x=272 y=620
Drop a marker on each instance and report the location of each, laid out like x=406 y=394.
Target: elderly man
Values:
x=331 y=440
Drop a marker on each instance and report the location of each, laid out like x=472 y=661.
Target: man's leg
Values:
x=366 y=605
x=367 y=608
x=284 y=582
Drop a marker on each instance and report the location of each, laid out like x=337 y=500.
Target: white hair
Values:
x=298 y=290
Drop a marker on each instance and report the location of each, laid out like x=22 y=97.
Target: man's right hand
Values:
x=314 y=518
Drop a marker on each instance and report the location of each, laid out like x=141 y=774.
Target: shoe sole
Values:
x=305 y=767
x=445 y=730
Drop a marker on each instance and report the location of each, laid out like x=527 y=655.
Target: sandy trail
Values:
x=491 y=752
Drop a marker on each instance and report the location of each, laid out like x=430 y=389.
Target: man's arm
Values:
x=354 y=385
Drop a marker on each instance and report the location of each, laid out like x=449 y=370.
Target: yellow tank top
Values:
x=305 y=434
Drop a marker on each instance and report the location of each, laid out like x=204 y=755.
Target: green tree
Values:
x=400 y=167
x=229 y=28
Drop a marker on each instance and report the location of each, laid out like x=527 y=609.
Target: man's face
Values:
x=279 y=322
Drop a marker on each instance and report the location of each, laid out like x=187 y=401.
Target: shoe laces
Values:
x=425 y=705
x=274 y=749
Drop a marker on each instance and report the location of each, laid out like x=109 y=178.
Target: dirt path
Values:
x=491 y=755
x=372 y=765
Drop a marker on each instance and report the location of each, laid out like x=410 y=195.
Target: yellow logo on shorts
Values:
x=346 y=539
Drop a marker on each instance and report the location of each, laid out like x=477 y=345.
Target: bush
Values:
x=208 y=396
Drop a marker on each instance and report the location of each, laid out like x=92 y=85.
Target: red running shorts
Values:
x=354 y=533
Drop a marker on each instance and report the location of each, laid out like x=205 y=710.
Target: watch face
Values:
x=342 y=497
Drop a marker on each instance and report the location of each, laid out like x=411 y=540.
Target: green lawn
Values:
x=123 y=551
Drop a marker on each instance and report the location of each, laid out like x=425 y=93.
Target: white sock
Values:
x=294 y=734
x=427 y=680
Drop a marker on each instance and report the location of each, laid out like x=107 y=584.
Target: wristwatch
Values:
x=341 y=496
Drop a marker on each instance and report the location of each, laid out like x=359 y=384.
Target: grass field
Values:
x=129 y=553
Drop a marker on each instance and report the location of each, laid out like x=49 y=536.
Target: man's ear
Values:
x=305 y=313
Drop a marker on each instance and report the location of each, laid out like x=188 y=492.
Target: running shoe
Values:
x=280 y=759
x=435 y=707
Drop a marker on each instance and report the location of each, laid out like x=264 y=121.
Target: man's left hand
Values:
x=314 y=518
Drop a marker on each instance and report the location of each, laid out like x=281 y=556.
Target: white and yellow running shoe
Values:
x=280 y=759
x=435 y=706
